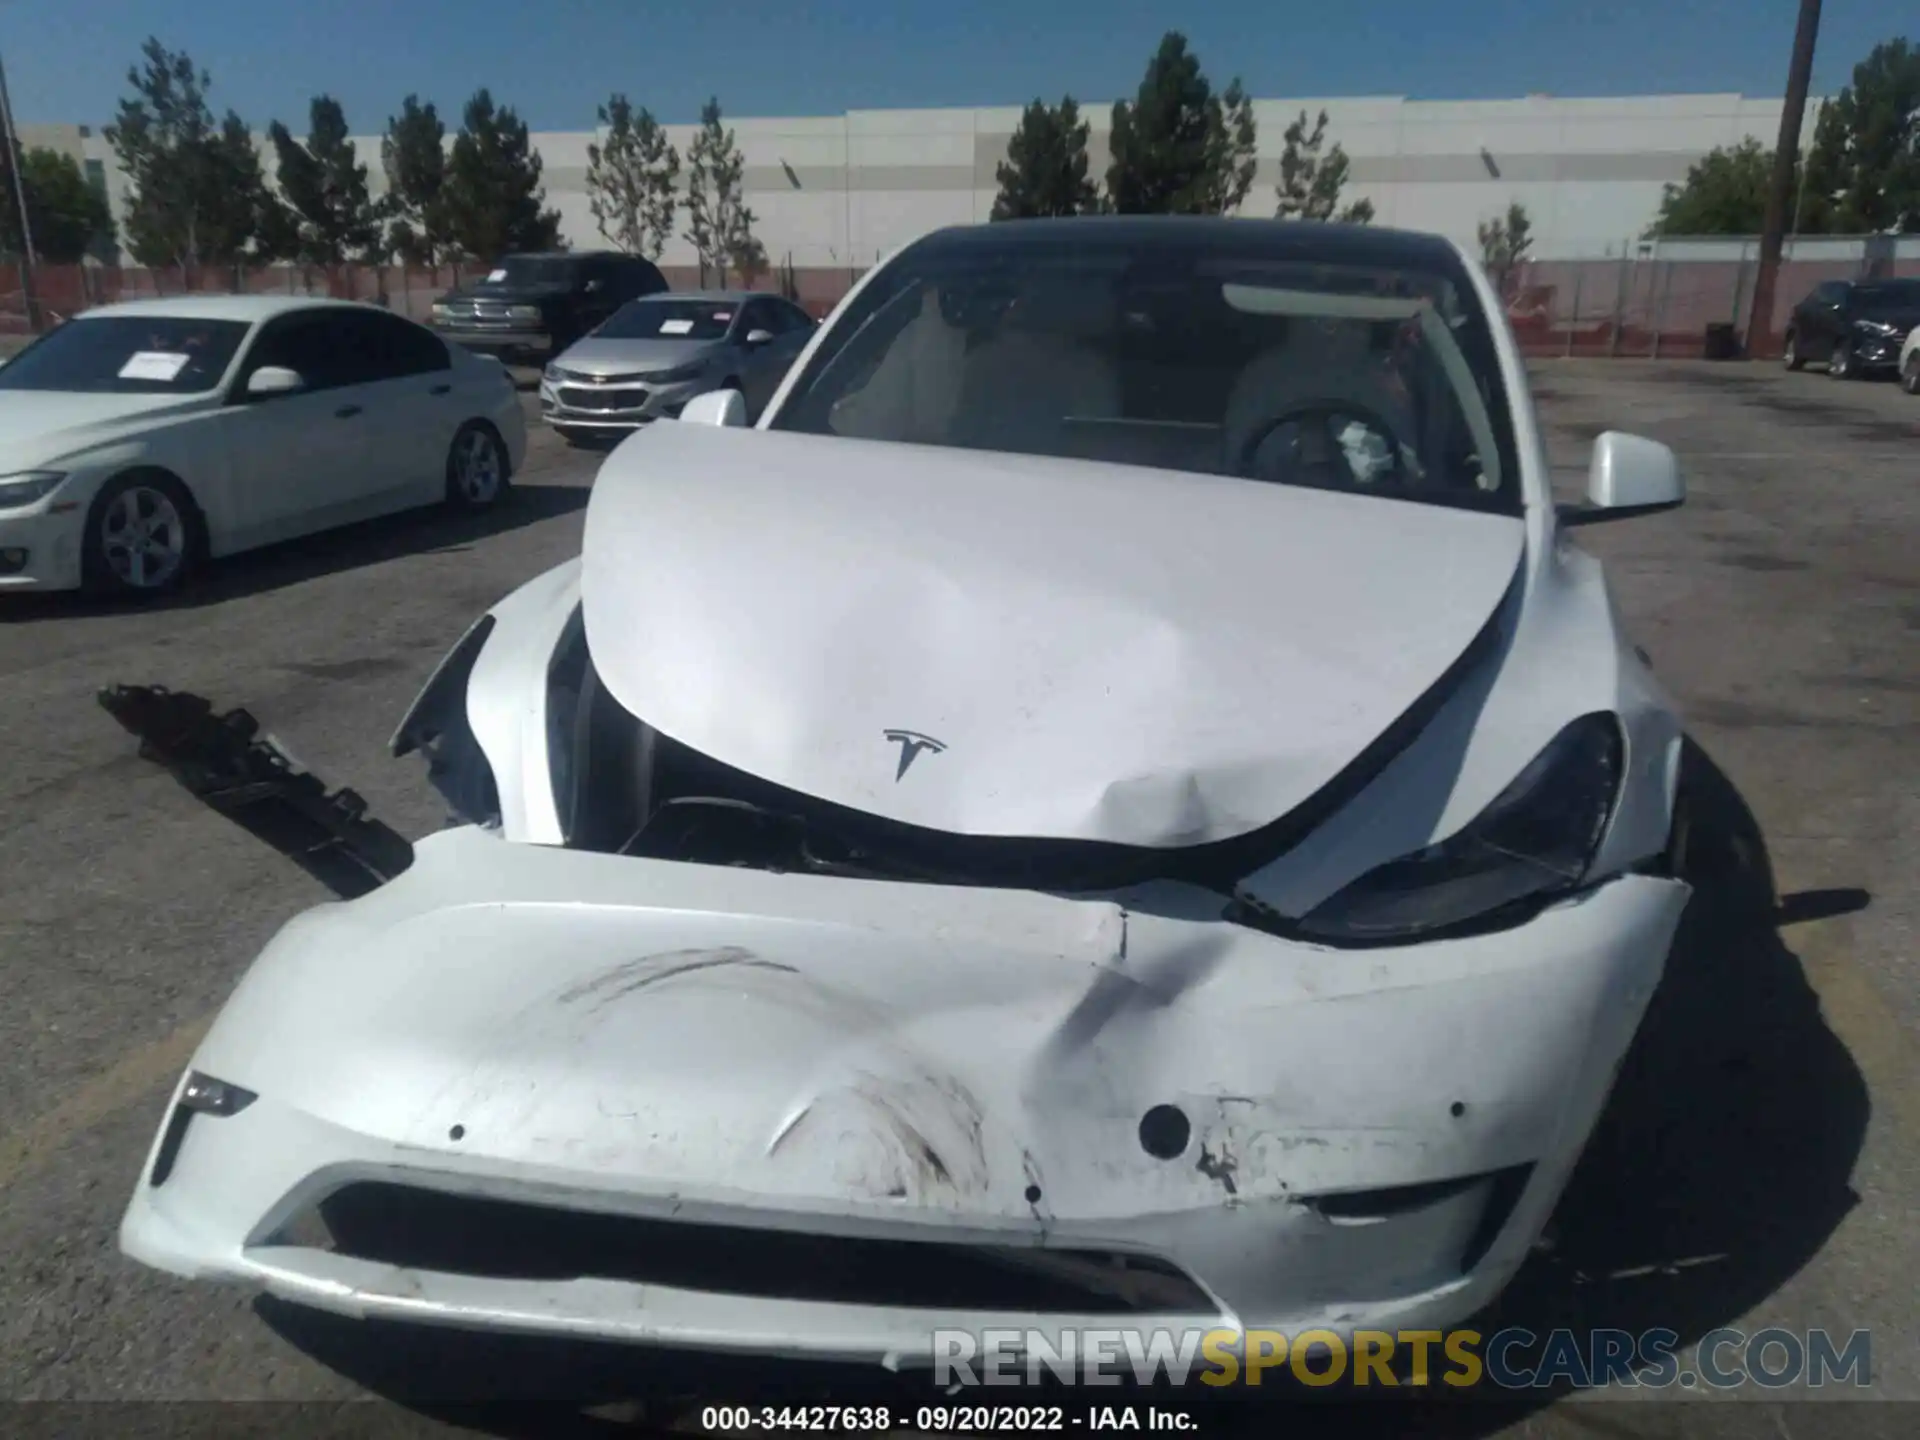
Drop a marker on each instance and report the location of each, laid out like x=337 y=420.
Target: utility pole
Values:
x=1785 y=153
x=28 y=290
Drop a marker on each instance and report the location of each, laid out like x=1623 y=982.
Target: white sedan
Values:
x=139 y=439
x=1117 y=802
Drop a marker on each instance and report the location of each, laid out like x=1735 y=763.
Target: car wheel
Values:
x=476 y=467
x=1910 y=374
x=1840 y=367
x=144 y=534
x=1791 y=356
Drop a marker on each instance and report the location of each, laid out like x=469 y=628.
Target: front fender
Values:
x=495 y=678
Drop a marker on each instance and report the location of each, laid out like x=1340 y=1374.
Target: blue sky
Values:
x=553 y=60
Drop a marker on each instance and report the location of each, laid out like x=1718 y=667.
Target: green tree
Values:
x=719 y=224
x=493 y=197
x=1725 y=194
x=413 y=153
x=1504 y=242
x=325 y=187
x=1177 y=147
x=196 y=193
x=1863 y=170
x=70 y=219
x=1310 y=182
x=633 y=180
x=1045 y=172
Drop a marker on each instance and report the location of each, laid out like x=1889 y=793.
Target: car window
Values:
x=757 y=315
x=590 y=269
x=1902 y=294
x=1834 y=292
x=1215 y=356
x=788 y=318
x=128 y=355
x=538 y=271
x=639 y=277
x=308 y=343
x=387 y=347
x=680 y=318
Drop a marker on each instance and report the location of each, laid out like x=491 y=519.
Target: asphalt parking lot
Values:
x=1757 y=1168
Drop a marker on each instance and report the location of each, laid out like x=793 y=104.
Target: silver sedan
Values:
x=656 y=353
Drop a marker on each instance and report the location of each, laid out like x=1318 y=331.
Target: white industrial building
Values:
x=834 y=192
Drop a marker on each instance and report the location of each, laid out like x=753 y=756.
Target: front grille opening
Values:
x=423 y=1229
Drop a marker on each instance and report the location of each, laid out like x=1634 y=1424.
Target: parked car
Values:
x=657 y=353
x=537 y=305
x=138 y=439
x=1119 y=781
x=1854 y=326
x=1910 y=362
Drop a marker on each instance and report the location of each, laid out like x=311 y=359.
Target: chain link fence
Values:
x=1655 y=300
x=1658 y=298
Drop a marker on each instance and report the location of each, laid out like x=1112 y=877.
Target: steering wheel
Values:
x=1312 y=444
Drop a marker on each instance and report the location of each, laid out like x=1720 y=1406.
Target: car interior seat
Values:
x=1050 y=360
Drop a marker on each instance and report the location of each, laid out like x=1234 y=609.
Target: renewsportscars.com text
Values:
x=1509 y=1359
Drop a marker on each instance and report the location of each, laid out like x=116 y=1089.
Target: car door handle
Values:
x=440 y=390
x=346 y=412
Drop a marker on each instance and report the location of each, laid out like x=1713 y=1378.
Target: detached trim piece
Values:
x=226 y=762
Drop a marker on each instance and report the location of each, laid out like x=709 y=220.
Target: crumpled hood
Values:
x=40 y=425
x=994 y=644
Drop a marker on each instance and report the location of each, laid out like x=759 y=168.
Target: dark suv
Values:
x=1855 y=326
x=540 y=304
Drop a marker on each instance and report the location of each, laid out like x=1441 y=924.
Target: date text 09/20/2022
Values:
x=961 y=1419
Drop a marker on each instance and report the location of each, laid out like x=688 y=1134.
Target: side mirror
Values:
x=274 y=380
x=759 y=337
x=1629 y=475
x=716 y=407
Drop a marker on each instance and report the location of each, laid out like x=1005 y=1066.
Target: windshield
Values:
x=1189 y=353
x=540 y=272
x=1903 y=293
x=683 y=319
x=128 y=355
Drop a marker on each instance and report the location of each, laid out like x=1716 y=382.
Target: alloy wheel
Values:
x=477 y=468
x=143 y=537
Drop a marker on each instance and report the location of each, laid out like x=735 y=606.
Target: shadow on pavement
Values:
x=1720 y=1167
x=292 y=562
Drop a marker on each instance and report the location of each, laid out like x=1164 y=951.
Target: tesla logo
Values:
x=911 y=743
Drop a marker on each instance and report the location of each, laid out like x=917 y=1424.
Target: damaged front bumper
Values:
x=527 y=1089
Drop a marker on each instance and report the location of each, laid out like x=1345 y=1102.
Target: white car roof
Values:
x=248 y=308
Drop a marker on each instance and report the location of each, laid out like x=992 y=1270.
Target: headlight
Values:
x=443 y=312
x=523 y=312
x=1878 y=327
x=679 y=373
x=1536 y=840
x=551 y=374
x=23 y=487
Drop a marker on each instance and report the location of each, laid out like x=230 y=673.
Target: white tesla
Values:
x=139 y=439
x=1119 y=797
